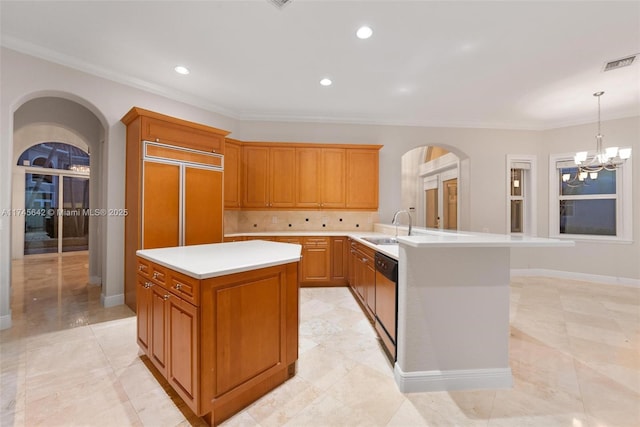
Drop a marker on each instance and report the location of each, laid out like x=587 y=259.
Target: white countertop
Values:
x=220 y=259
x=428 y=238
x=467 y=239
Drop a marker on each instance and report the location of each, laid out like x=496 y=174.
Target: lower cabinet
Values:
x=168 y=334
x=221 y=343
x=325 y=260
x=362 y=276
x=182 y=349
x=316 y=261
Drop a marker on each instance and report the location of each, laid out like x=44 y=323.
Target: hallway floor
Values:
x=67 y=361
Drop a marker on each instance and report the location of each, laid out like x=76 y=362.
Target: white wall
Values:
x=23 y=78
x=483 y=151
x=616 y=260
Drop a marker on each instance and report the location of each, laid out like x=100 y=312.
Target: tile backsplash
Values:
x=259 y=221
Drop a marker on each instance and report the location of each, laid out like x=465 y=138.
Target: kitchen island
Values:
x=453 y=309
x=220 y=321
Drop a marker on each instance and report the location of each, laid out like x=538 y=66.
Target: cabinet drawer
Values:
x=316 y=241
x=143 y=267
x=296 y=240
x=159 y=274
x=185 y=287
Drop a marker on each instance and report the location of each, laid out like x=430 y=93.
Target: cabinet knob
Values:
x=140 y=267
x=178 y=286
x=166 y=296
x=147 y=285
x=155 y=274
x=364 y=260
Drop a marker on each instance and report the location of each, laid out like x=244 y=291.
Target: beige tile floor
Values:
x=575 y=356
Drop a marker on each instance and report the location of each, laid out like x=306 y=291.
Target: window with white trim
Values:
x=521 y=194
x=594 y=206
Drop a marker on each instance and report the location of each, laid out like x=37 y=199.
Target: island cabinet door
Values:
x=183 y=348
x=158 y=328
x=143 y=309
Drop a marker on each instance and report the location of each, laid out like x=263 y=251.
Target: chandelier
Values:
x=608 y=158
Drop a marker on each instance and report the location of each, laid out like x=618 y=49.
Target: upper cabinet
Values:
x=268 y=177
x=309 y=176
x=362 y=179
x=320 y=178
x=168 y=130
x=232 y=162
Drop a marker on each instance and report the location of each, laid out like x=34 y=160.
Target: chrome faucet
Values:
x=394 y=221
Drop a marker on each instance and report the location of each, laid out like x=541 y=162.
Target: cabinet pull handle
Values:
x=147 y=285
x=166 y=297
x=364 y=260
x=141 y=268
x=178 y=286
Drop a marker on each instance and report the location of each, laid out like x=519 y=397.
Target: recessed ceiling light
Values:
x=326 y=82
x=182 y=70
x=364 y=32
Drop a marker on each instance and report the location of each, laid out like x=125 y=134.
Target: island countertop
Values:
x=220 y=259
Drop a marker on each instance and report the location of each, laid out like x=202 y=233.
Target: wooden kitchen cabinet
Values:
x=333 y=178
x=339 y=260
x=320 y=178
x=173 y=193
x=171 y=131
x=268 y=177
x=308 y=167
x=307 y=176
x=202 y=206
x=361 y=179
x=220 y=342
x=316 y=261
x=183 y=346
x=362 y=277
x=232 y=184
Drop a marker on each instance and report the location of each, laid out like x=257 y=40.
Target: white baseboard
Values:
x=5 y=321
x=462 y=379
x=595 y=278
x=111 y=301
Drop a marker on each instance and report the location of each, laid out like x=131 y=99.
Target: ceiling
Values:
x=513 y=65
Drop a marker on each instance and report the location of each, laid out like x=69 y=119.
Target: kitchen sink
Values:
x=381 y=240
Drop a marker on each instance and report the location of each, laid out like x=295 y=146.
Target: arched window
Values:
x=55 y=155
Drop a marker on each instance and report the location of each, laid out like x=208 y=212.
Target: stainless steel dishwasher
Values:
x=387 y=301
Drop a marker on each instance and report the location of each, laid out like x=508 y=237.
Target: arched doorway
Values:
x=56 y=201
x=53 y=135
x=432 y=182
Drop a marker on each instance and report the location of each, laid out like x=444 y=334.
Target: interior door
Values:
x=450 y=204
x=431 y=208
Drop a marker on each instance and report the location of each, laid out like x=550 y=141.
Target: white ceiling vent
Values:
x=619 y=63
x=280 y=3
